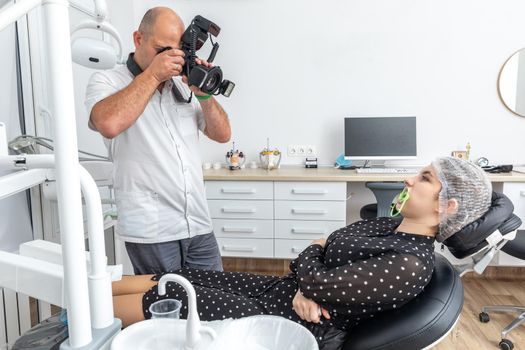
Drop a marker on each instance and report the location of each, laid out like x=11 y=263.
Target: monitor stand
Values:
x=374 y=164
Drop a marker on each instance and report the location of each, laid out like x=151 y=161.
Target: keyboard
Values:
x=387 y=170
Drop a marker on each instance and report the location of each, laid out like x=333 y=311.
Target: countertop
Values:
x=299 y=173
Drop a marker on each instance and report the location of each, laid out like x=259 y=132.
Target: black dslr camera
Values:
x=209 y=80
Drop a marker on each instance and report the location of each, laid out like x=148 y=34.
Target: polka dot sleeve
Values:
x=385 y=278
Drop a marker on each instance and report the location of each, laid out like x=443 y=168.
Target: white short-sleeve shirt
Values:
x=158 y=180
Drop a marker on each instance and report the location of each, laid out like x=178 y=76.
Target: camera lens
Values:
x=213 y=80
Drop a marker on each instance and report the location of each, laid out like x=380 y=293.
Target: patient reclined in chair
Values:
x=429 y=318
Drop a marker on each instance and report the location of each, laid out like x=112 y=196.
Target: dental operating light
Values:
x=96 y=53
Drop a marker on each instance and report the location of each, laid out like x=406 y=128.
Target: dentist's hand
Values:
x=193 y=88
x=307 y=309
x=166 y=65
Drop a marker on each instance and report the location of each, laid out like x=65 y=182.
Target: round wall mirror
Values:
x=511 y=83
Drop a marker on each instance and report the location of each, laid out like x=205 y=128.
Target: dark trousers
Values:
x=199 y=252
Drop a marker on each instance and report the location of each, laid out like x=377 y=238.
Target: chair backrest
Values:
x=419 y=323
x=477 y=236
x=516 y=247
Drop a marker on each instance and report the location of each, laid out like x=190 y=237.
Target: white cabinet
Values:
x=243 y=228
x=240 y=209
x=311 y=191
x=250 y=190
x=305 y=211
x=290 y=248
x=516 y=193
x=265 y=219
x=310 y=210
x=302 y=229
x=245 y=247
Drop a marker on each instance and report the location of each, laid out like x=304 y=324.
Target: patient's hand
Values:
x=307 y=309
x=320 y=241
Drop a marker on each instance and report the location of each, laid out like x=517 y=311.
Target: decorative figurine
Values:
x=270 y=159
x=235 y=159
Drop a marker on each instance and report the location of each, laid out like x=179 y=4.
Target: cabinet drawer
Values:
x=226 y=209
x=239 y=190
x=295 y=229
x=232 y=228
x=290 y=248
x=516 y=193
x=244 y=247
x=313 y=210
x=310 y=191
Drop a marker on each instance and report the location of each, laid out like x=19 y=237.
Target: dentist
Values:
x=152 y=135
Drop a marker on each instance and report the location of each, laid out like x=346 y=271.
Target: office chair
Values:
x=385 y=192
x=427 y=319
x=515 y=248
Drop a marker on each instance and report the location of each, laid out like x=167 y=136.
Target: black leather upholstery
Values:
x=420 y=322
x=368 y=211
x=471 y=238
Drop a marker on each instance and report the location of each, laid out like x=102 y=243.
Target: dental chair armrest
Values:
x=115 y=272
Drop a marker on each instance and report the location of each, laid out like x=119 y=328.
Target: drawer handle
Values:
x=238 y=249
x=238 y=190
x=296 y=250
x=522 y=193
x=238 y=210
x=308 y=191
x=239 y=229
x=309 y=211
x=308 y=231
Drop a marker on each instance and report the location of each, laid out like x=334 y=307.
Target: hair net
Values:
x=469 y=185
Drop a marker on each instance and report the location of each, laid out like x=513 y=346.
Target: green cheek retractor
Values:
x=402 y=198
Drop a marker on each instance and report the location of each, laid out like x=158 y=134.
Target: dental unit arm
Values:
x=88 y=298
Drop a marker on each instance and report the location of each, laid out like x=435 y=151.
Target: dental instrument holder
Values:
x=193 y=326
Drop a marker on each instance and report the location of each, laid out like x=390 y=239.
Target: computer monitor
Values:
x=380 y=138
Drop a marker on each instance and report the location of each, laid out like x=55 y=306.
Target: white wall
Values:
x=302 y=65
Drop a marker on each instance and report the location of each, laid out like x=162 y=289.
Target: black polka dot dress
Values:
x=365 y=268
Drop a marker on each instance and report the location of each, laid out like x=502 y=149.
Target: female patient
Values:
x=357 y=272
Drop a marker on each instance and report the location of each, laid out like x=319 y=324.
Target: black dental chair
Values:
x=427 y=319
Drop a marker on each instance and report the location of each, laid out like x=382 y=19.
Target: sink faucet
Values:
x=193 y=325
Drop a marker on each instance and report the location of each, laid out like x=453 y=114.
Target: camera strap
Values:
x=134 y=68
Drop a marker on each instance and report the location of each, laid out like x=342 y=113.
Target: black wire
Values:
x=21 y=111
x=19 y=86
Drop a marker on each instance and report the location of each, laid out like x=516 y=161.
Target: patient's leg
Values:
x=128 y=308
x=133 y=285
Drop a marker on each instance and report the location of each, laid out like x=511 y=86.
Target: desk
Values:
x=298 y=173
x=275 y=214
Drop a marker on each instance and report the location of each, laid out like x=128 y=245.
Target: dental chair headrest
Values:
x=472 y=238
